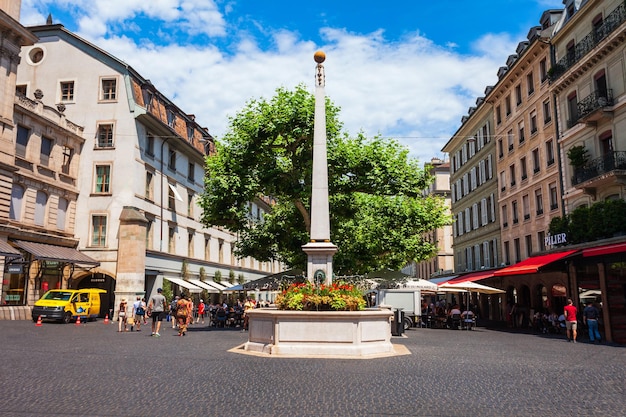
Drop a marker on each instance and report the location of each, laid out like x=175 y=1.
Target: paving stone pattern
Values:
x=92 y=370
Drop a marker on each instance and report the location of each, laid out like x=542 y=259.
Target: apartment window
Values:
x=171 y=198
x=543 y=69
x=510 y=139
x=109 y=89
x=572 y=106
x=171 y=118
x=498 y=114
x=505 y=216
x=147 y=99
x=547 y=113
x=539 y=202
x=533 y=122
x=550 y=152
x=518 y=94
x=190 y=131
x=105 y=136
x=502 y=181
x=150 y=144
x=207 y=248
x=20 y=90
x=98 y=230
x=541 y=241
x=21 y=143
x=507 y=105
x=606 y=144
x=554 y=199
x=149 y=232
x=149 y=186
x=190 y=196
x=68 y=153
x=67 y=90
x=500 y=148
x=536 y=166
x=522 y=163
x=62 y=213
x=526 y=206
x=507 y=253
x=520 y=130
x=191 y=172
x=46 y=150
x=190 y=237
x=512 y=174
x=171 y=240
x=171 y=163
x=518 y=250
x=17 y=197
x=530 y=83
x=515 y=212
x=103 y=179
x=529 y=245
x=221 y=251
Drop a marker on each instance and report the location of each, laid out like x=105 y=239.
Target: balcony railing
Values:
x=588 y=105
x=599 y=166
x=586 y=44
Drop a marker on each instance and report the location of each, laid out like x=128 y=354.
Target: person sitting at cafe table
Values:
x=455 y=311
x=468 y=318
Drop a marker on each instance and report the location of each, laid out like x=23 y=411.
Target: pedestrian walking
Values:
x=201 y=312
x=590 y=318
x=570 y=311
x=183 y=314
x=173 y=307
x=139 y=313
x=122 y=316
x=157 y=307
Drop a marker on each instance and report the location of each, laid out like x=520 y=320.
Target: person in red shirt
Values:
x=570 y=312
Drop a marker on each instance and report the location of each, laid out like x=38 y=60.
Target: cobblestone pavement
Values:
x=92 y=370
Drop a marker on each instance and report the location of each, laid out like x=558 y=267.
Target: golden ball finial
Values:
x=319 y=57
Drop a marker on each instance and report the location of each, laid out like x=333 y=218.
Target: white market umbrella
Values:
x=472 y=287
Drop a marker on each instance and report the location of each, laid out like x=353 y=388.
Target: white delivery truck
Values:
x=407 y=299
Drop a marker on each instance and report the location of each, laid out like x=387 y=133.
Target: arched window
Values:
x=62 y=213
x=17 y=196
x=41 y=201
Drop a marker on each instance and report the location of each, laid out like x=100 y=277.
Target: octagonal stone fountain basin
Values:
x=320 y=333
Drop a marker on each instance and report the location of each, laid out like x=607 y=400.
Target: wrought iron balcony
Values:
x=591 y=108
x=597 y=167
x=586 y=44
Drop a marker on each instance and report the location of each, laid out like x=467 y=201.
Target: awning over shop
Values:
x=44 y=252
x=216 y=285
x=473 y=276
x=604 y=250
x=533 y=264
x=184 y=284
x=8 y=250
x=204 y=285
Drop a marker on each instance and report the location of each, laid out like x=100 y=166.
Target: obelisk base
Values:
x=320 y=261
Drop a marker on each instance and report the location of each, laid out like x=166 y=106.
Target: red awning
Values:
x=604 y=250
x=472 y=277
x=532 y=265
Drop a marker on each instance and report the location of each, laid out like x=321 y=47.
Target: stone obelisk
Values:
x=320 y=250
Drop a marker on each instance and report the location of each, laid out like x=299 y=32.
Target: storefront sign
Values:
x=552 y=240
x=15 y=269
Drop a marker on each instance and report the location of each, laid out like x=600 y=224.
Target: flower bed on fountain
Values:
x=320 y=321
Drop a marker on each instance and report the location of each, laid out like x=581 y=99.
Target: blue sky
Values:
x=407 y=69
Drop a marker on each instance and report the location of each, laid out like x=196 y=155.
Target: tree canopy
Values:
x=379 y=214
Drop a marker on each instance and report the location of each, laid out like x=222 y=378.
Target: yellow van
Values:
x=67 y=305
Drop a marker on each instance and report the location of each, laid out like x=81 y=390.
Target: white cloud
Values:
x=411 y=88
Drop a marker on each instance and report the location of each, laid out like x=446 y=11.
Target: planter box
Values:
x=341 y=333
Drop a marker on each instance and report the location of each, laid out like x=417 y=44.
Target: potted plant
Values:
x=578 y=157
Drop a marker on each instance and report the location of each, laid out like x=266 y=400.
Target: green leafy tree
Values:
x=378 y=212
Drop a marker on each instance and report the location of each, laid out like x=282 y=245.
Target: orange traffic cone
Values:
x=38 y=324
x=106 y=319
x=78 y=321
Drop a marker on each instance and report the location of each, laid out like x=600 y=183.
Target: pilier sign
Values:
x=552 y=240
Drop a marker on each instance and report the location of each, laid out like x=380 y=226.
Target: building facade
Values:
x=140 y=174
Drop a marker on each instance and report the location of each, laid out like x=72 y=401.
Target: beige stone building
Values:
x=39 y=165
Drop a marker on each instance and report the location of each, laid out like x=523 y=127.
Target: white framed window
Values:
x=98 y=230
x=66 y=89
x=108 y=88
x=104 y=138
x=102 y=184
x=17 y=198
